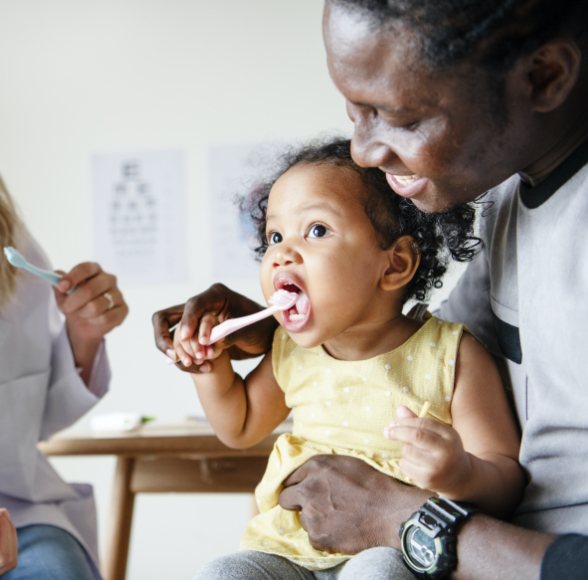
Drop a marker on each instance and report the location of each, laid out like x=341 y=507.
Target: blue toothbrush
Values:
x=19 y=261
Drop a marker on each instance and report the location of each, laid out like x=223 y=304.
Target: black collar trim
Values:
x=533 y=197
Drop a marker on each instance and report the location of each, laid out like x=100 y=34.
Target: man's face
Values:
x=439 y=138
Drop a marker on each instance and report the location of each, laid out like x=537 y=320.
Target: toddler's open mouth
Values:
x=296 y=316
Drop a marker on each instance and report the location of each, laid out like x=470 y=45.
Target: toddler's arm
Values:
x=241 y=411
x=476 y=459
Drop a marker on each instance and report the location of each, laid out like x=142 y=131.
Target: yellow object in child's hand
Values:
x=424 y=409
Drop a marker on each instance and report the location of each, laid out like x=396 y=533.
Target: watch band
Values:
x=429 y=537
x=446 y=514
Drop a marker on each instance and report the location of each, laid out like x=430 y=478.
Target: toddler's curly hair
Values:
x=437 y=237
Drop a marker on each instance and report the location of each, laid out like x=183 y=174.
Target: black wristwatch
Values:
x=428 y=538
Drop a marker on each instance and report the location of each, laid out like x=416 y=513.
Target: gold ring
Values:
x=110 y=299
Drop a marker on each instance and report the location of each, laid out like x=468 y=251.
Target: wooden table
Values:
x=183 y=457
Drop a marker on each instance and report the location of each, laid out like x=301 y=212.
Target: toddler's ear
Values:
x=403 y=261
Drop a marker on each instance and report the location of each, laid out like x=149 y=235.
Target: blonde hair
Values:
x=9 y=224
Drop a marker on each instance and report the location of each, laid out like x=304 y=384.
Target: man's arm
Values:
x=346 y=505
x=488 y=548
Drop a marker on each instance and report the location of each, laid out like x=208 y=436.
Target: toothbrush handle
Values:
x=233 y=324
x=51 y=277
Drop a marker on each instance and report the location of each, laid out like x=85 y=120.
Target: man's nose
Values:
x=367 y=149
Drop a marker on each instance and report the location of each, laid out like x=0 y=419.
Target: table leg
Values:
x=121 y=517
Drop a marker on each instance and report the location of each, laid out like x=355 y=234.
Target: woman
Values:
x=53 y=368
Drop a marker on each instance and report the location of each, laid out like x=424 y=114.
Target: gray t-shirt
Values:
x=526 y=298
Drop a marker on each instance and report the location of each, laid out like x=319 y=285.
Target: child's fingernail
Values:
x=403 y=412
x=187 y=361
x=199 y=355
x=171 y=353
x=388 y=430
x=205 y=368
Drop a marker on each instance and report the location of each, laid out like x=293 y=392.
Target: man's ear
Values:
x=552 y=72
x=403 y=261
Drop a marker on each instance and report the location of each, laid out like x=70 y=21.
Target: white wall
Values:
x=84 y=76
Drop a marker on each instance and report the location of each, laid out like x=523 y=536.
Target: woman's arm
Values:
x=241 y=412
x=92 y=309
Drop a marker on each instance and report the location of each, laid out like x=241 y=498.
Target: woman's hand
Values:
x=220 y=303
x=93 y=305
x=347 y=506
x=8 y=543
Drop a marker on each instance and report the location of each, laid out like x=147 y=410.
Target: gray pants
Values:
x=372 y=564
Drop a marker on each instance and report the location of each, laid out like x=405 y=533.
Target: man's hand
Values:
x=347 y=506
x=8 y=543
x=221 y=303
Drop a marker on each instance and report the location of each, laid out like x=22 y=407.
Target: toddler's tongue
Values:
x=302 y=304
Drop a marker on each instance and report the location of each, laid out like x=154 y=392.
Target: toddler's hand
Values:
x=190 y=351
x=432 y=455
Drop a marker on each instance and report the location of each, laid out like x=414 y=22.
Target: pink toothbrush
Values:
x=279 y=300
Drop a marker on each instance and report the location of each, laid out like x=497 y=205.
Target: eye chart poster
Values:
x=139 y=215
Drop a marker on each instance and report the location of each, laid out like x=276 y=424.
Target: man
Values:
x=452 y=99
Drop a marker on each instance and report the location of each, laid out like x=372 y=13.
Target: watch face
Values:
x=420 y=548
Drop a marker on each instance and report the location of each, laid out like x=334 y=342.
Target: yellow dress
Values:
x=341 y=407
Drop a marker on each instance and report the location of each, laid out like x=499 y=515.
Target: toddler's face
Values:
x=323 y=246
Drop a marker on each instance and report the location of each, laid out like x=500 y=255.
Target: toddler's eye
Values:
x=274 y=238
x=317 y=231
